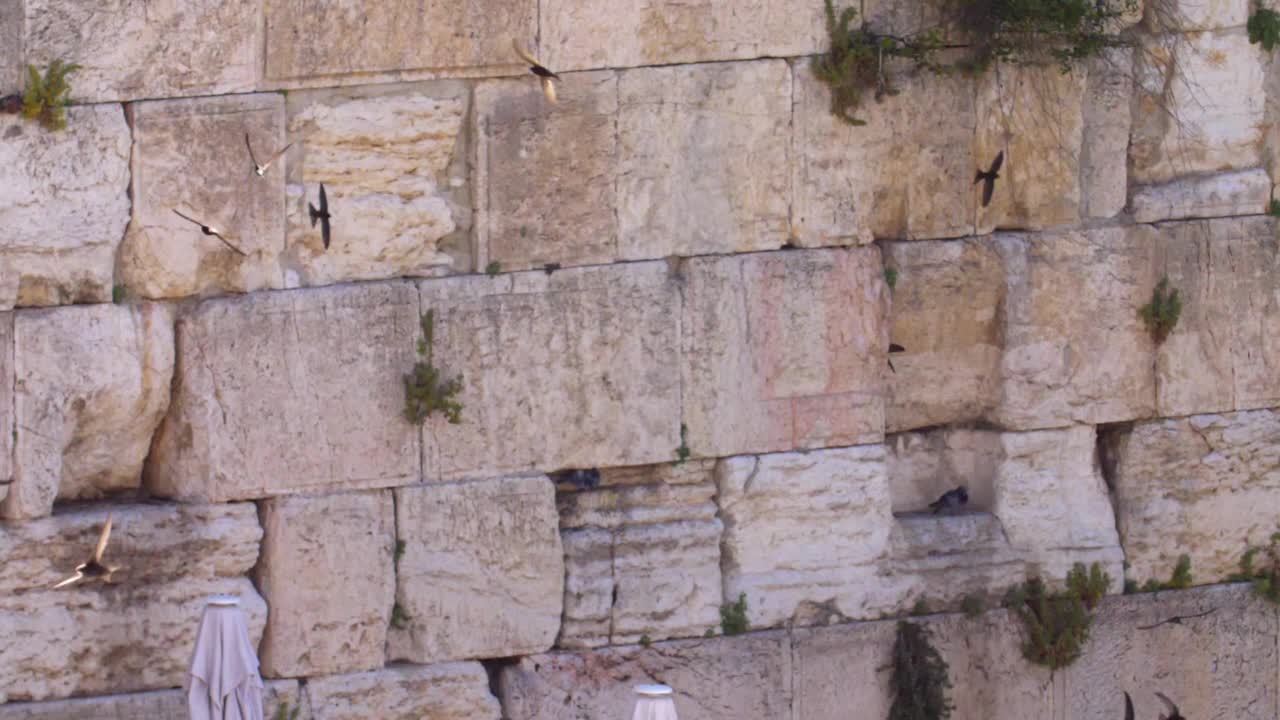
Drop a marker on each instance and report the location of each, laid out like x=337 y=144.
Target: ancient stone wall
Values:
x=686 y=274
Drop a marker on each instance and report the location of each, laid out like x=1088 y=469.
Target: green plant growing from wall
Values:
x=493 y=268
x=1181 y=578
x=399 y=618
x=921 y=607
x=1274 y=208
x=891 y=277
x=399 y=552
x=119 y=294
x=1266 y=579
x=1162 y=313
x=1264 y=28
x=973 y=606
x=425 y=389
x=683 y=452
x=283 y=712
x=1042 y=32
x=46 y=97
x=920 y=681
x=733 y=616
x=1057 y=624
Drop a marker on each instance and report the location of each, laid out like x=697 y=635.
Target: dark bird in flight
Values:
x=261 y=169
x=951 y=499
x=1128 y=707
x=94 y=569
x=988 y=178
x=322 y=215
x=1176 y=620
x=210 y=230
x=895 y=348
x=547 y=77
x=581 y=479
x=550 y=268
x=1173 y=709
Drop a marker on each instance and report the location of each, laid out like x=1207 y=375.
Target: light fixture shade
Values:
x=654 y=702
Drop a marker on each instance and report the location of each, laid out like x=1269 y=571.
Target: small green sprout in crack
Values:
x=1162 y=313
x=493 y=268
x=46 y=96
x=425 y=389
x=682 y=452
x=399 y=618
x=733 y=616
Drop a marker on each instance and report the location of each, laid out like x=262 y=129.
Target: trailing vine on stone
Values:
x=1057 y=624
x=425 y=389
x=920 y=680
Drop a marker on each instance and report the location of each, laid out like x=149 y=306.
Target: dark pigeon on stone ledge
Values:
x=951 y=499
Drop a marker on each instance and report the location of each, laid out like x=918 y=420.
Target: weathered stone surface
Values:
x=130 y=51
x=947 y=302
x=433 y=692
x=1206 y=486
x=907 y=173
x=641 y=559
x=803 y=531
x=1221 y=665
x=1076 y=349
x=1236 y=193
x=290 y=391
x=327 y=572
x=924 y=465
x=64 y=203
x=12 y=26
x=578 y=34
x=1187 y=16
x=481 y=573
x=314 y=38
x=1224 y=353
x=1108 y=119
x=393 y=163
x=91 y=386
x=153 y=705
x=576 y=369
x=746 y=677
x=1199 y=105
x=190 y=156
x=943 y=559
x=137 y=633
x=784 y=350
x=7 y=426
x=549 y=172
x=703 y=158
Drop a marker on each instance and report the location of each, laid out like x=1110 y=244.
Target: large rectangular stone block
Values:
x=311 y=39
x=326 y=571
x=1223 y=664
x=128 y=51
x=575 y=369
x=947 y=301
x=1108 y=119
x=745 y=677
x=190 y=156
x=703 y=158
x=480 y=571
x=432 y=692
x=290 y=391
x=1207 y=486
x=136 y=633
x=784 y=350
x=91 y=384
x=64 y=203
x=153 y=705
x=1245 y=192
x=8 y=430
x=12 y=32
x=803 y=533
x=393 y=161
x=577 y=34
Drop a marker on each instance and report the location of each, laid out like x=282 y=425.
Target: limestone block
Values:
x=137 y=633
x=805 y=529
x=836 y=669
x=290 y=391
x=412 y=692
x=1187 y=16
x=577 y=34
x=1199 y=105
x=64 y=203
x=784 y=350
x=947 y=303
x=190 y=156
x=310 y=39
x=128 y=50
x=640 y=560
x=1236 y=193
x=549 y=172
x=1049 y=493
x=153 y=705
x=571 y=370
x=943 y=559
x=1206 y=486
x=326 y=570
x=922 y=161
x=7 y=427
x=1104 y=167
x=924 y=465
x=1076 y=349
x=91 y=386
x=745 y=677
x=1221 y=665
x=481 y=573
x=1224 y=353
x=703 y=158
x=12 y=19
x=393 y=163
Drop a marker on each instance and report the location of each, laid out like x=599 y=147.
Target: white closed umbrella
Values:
x=654 y=702
x=223 y=682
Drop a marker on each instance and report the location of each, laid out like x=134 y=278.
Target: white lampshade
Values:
x=654 y=702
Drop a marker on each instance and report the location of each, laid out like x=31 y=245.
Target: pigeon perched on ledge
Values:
x=580 y=479
x=951 y=499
